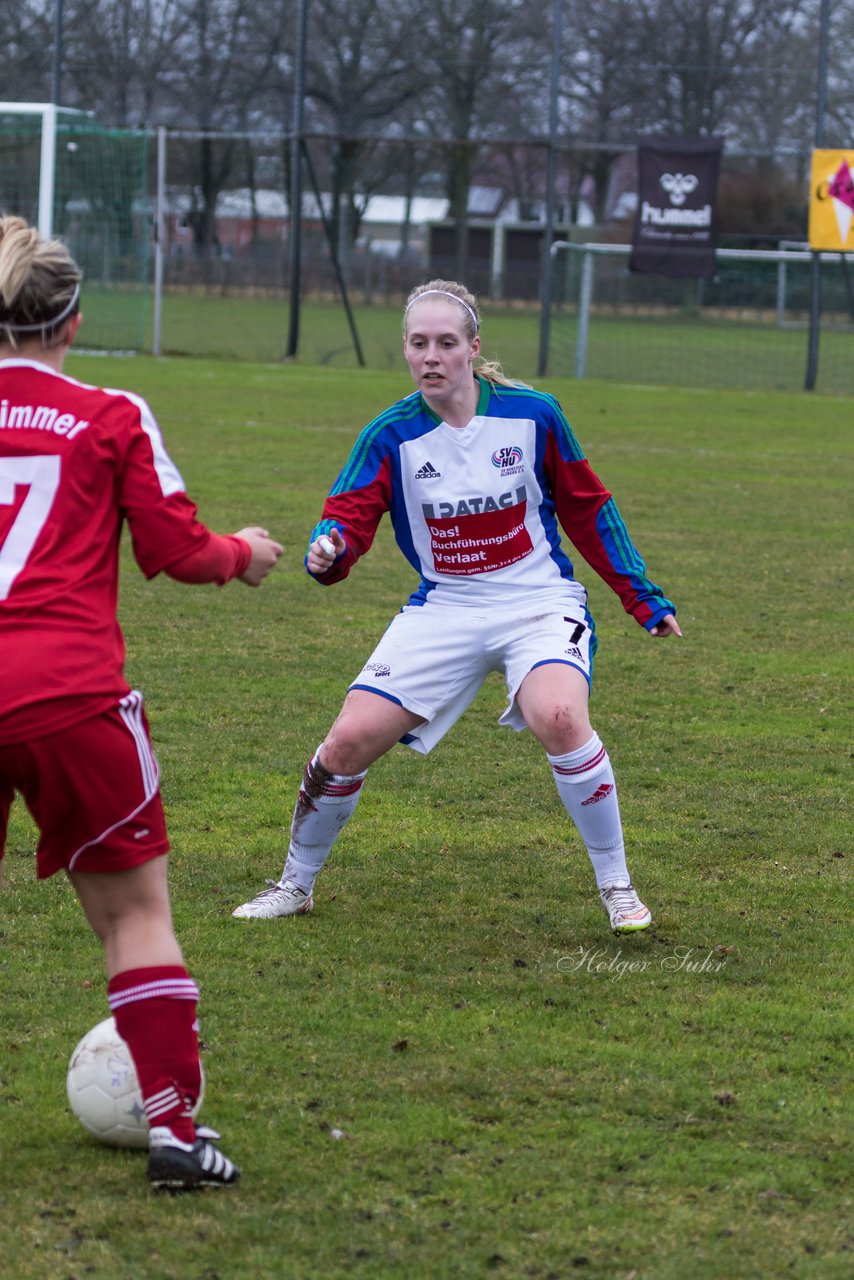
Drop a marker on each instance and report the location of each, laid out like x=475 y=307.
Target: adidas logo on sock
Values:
x=600 y=793
x=428 y=472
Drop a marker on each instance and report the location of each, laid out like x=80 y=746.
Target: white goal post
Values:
x=48 y=113
x=73 y=178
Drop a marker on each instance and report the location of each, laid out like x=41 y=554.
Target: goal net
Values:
x=72 y=178
x=746 y=328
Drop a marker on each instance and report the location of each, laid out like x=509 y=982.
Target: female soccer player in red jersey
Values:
x=76 y=463
x=479 y=474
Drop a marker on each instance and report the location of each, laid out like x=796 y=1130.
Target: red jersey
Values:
x=76 y=462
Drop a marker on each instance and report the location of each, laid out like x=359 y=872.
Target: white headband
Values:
x=444 y=293
x=44 y=325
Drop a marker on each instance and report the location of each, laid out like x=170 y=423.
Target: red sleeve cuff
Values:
x=219 y=560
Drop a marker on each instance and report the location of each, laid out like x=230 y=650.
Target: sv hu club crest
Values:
x=508 y=456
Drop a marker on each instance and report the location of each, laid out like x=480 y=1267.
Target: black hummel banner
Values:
x=674 y=232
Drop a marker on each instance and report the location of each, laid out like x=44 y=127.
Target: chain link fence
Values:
x=224 y=279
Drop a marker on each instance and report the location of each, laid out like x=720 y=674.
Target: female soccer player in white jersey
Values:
x=476 y=472
x=76 y=462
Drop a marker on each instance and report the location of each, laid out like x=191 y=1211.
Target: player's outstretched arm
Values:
x=264 y=552
x=668 y=626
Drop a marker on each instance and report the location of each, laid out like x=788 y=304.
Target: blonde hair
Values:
x=39 y=284
x=489 y=369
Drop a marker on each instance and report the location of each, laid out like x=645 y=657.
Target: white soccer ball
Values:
x=103 y=1089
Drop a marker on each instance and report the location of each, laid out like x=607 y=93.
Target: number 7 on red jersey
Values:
x=40 y=474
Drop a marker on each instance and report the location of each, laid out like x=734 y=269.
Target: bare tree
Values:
x=694 y=55
x=361 y=71
x=840 y=103
x=26 y=46
x=467 y=80
x=605 y=84
x=224 y=53
x=775 y=104
x=117 y=54
x=485 y=62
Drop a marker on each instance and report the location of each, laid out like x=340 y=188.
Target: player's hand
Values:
x=265 y=552
x=320 y=557
x=667 y=627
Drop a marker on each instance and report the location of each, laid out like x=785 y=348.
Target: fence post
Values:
x=159 y=237
x=496 y=291
x=298 y=151
x=781 y=294
x=584 y=300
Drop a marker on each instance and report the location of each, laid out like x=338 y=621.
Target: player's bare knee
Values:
x=563 y=728
x=343 y=752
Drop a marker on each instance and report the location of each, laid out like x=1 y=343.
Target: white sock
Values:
x=326 y=803
x=585 y=784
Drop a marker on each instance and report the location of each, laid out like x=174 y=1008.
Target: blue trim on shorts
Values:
x=379 y=692
x=422 y=594
x=563 y=662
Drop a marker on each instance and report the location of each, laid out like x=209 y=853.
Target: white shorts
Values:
x=433 y=659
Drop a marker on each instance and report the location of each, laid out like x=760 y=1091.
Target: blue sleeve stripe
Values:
x=357 y=457
x=576 y=453
x=325 y=526
x=407 y=409
x=622 y=551
x=555 y=418
x=625 y=558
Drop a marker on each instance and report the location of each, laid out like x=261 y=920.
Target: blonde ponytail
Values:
x=39 y=284
x=491 y=371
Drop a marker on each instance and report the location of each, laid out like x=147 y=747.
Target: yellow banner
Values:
x=831 y=224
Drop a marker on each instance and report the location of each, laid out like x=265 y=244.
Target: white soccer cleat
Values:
x=279 y=900
x=624 y=908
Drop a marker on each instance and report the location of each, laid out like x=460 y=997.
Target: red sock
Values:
x=155 y=1012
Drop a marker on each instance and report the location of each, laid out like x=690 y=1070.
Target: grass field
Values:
x=515 y=1093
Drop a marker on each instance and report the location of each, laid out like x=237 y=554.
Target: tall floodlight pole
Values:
x=159 y=240
x=815 y=264
x=296 y=180
x=56 y=76
x=548 y=256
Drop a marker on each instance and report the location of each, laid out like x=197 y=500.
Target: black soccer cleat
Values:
x=174 y=1165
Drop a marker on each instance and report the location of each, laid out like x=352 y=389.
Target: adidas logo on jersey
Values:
x=428 y=472
x=600 y=793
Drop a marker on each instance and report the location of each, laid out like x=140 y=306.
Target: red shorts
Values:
x=93 y=790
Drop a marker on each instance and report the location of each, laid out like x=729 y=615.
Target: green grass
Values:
x=704 y=352
x=520 y=1094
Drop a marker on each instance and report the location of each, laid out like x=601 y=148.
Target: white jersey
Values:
x=477 y=510
x=481 y=534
